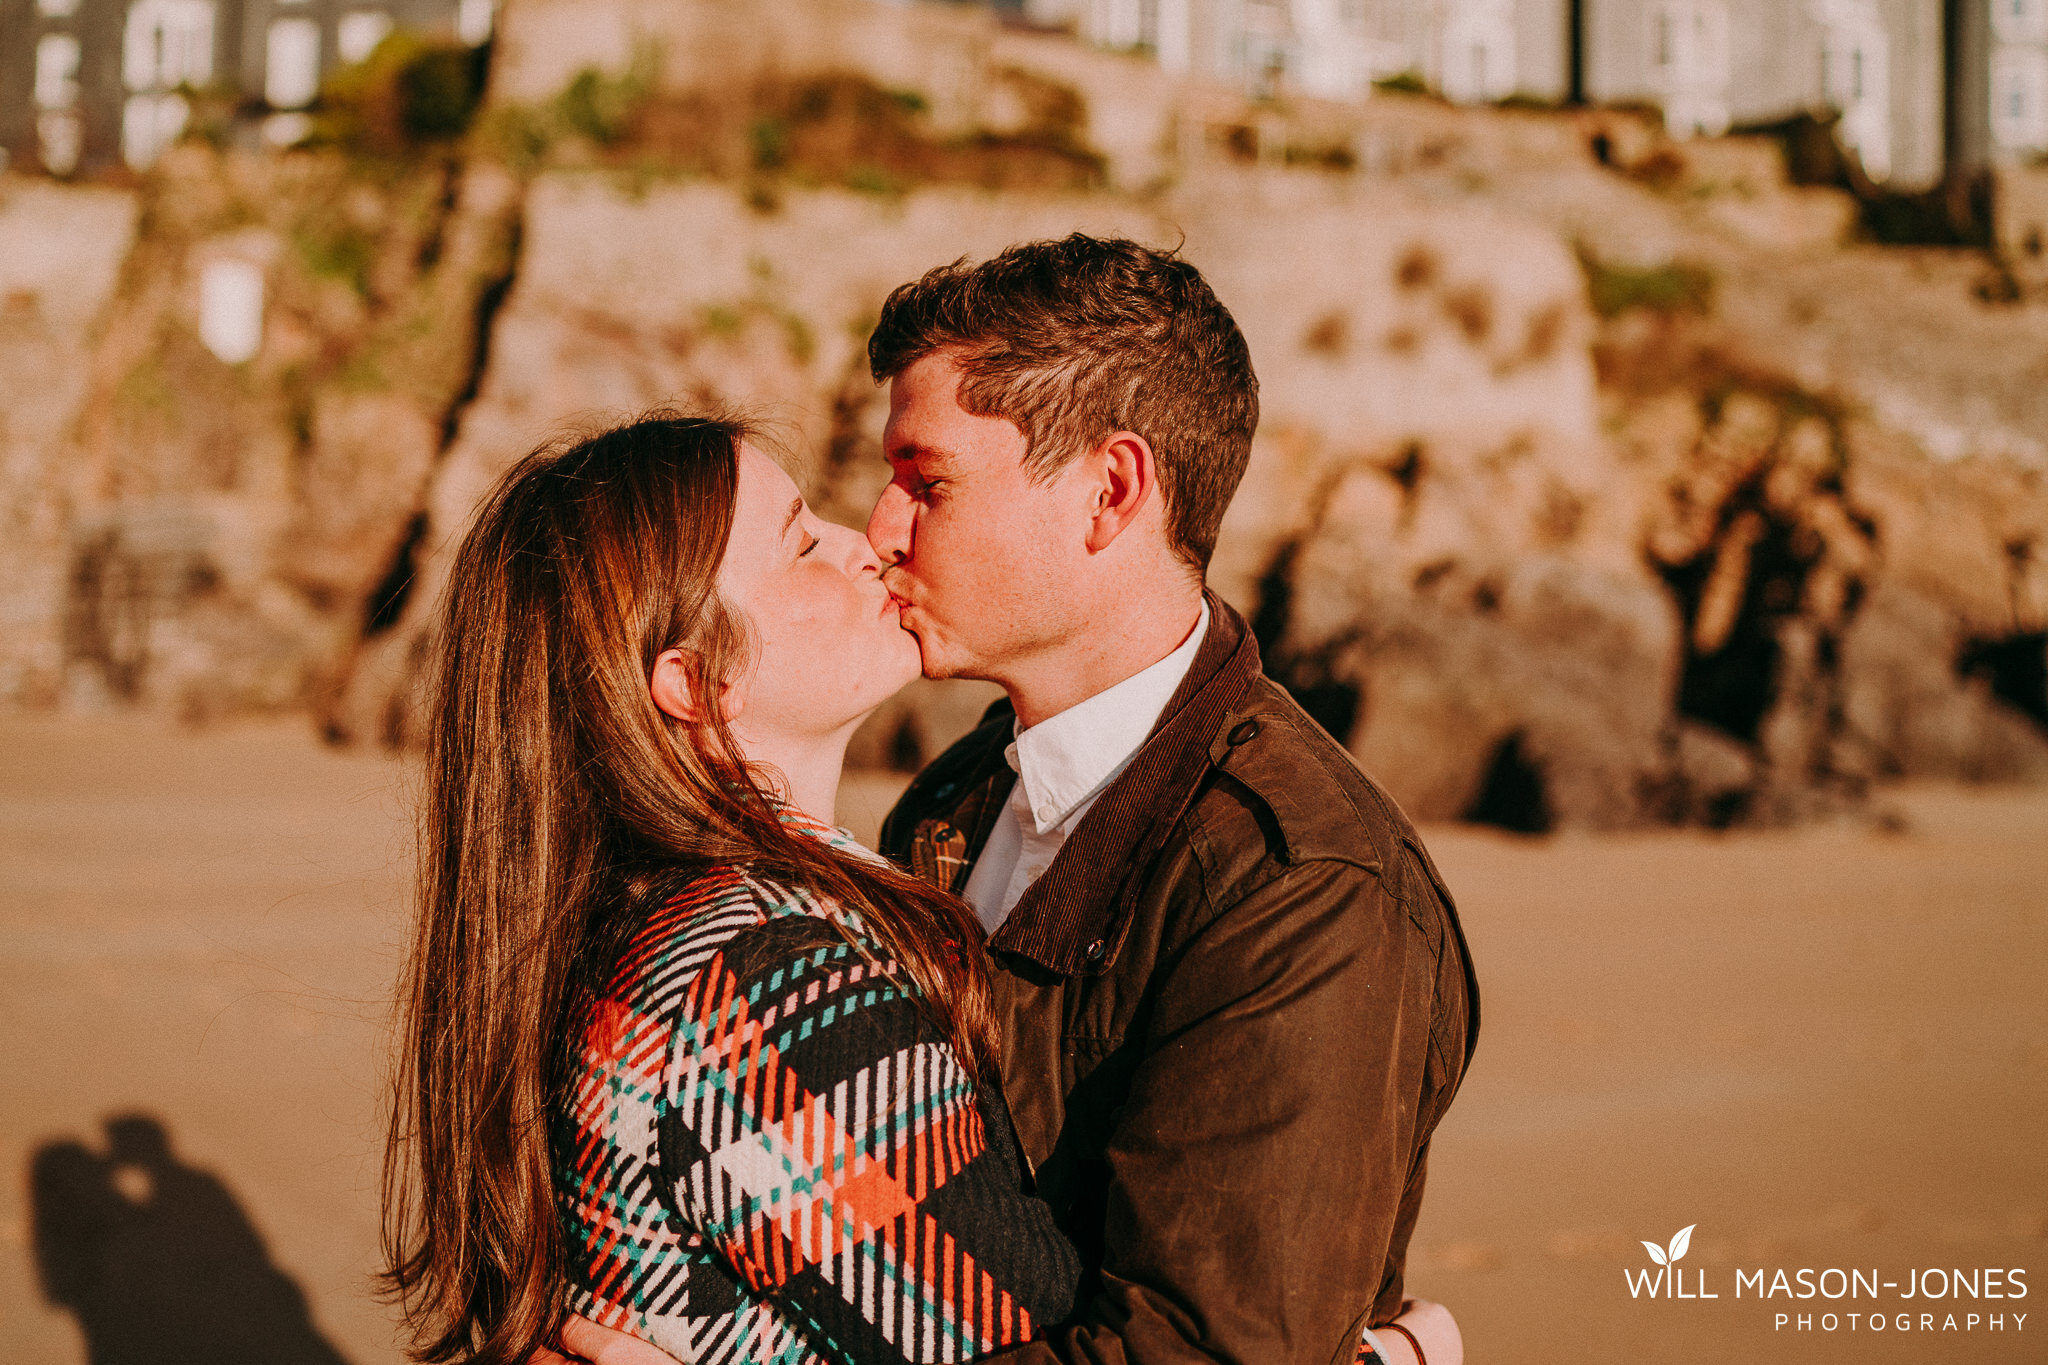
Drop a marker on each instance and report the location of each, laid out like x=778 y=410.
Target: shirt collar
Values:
x=1065 y=759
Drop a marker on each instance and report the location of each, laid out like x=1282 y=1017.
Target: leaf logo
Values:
x=1679 y=1243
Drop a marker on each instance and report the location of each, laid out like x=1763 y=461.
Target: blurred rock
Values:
x=219 y=535
x=1598 y=482
x=917 y=724
x=1793 y=220
x=975 y=75
x=1583 y=594
x=2021 y=201
x=61 y=252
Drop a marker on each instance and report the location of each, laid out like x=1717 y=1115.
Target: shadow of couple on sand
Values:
x=157 y=1260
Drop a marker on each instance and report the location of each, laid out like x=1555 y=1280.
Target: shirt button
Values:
x=1094 y=951
x=1243 y=733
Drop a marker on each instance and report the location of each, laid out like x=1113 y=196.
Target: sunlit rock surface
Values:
x=1601 y=481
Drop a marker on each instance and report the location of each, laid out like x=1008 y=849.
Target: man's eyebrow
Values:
x=941 y=460
x=796 y=509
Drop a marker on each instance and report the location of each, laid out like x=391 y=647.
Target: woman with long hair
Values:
x=678 y=1056
x=685 y=1070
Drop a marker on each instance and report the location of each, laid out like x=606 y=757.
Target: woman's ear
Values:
x=673 y=692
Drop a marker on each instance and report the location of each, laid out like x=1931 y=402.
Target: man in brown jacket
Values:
x=1234 y=991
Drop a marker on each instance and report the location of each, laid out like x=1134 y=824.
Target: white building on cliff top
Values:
x=1923 y=86
x=91 y=82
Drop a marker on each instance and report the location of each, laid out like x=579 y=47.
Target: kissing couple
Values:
x=1128 y=1043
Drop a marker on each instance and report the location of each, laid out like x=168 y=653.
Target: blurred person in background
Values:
x=1233 y=994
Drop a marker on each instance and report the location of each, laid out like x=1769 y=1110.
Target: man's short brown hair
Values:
x=1078 y=339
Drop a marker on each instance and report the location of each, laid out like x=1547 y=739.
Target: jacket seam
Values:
x=1285 y=709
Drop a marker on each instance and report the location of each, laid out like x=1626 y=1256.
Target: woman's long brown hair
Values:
x=557 y=798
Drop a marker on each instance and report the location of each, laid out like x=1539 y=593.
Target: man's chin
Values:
x=930 y=660
x=937 y=666
x=940 y=670
x=939 y=662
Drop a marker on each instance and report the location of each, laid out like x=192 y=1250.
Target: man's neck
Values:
x=1117 y=644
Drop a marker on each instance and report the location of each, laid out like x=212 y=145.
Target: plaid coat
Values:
x=766 y=1153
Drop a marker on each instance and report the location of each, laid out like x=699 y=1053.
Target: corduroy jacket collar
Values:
x=1072 y=919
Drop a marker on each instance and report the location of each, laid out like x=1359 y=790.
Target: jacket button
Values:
x=1094 y=951
x=1243 y=732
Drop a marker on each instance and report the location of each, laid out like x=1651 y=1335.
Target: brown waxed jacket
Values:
x=1234 y=1008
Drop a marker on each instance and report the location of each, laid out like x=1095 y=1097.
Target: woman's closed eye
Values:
x=811 y=543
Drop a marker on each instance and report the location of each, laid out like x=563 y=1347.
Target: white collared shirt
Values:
x=1062 y=765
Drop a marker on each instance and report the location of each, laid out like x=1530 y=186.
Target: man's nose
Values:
x=889 y=525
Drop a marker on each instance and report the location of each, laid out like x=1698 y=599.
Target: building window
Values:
x=150 y=123
x=1127 y=24
x=60 y=139
x=167 y=44
x=1479 y=51
x=56 y=9
x=1689 y=65
x=359 y=32
x=473 y=19
x=1855 y=80
x=57 y=57
x=2020 y=21
x=291 y=63
x=2019 y=99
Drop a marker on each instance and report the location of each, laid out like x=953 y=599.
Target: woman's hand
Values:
x=1434 y=1330
x=584 y=1340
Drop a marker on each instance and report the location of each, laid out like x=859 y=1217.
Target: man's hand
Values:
x=583 y=1342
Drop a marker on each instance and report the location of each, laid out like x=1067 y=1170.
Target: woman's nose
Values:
x=855 y=553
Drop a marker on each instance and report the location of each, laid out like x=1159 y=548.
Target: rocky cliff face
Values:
x=215 y=534
x=60 y=258
x=1592 y=487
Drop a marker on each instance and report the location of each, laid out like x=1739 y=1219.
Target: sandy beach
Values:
x=1822 y=1048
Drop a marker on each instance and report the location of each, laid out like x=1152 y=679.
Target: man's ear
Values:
x=1128 y=475
x=675 y=695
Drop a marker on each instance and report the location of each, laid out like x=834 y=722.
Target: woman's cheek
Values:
x=811 y=608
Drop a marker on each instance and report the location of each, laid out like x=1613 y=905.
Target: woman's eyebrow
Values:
x=796 y=509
